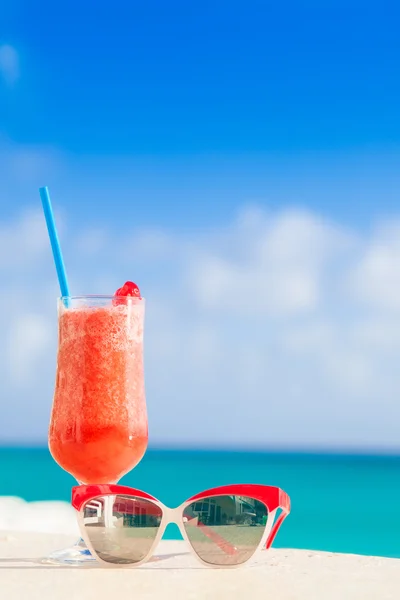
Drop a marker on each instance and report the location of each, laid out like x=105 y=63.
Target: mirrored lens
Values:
x=225 y=530
x=121 y=529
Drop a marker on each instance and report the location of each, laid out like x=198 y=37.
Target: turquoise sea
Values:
x=340 y=503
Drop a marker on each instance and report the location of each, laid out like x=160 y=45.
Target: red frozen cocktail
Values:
x=98 y=429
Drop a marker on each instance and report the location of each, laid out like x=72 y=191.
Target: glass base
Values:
x=77 y=555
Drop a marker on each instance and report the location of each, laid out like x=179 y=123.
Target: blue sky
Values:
x=241 y=162
x=216 y=77
x=229 y=100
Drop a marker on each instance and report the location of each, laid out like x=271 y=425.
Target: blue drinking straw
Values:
x=55 y=244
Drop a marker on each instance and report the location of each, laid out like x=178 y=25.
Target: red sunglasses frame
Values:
x=272 y=497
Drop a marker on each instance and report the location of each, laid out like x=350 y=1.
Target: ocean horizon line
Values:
x=287 y=451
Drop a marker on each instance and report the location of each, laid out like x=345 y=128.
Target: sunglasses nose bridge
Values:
x=172 y=515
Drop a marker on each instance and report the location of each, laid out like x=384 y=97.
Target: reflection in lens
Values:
x=225 y=530
x=121 y=529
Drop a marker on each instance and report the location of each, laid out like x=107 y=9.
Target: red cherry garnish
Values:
x=128 y=289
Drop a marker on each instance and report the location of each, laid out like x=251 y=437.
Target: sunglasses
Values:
x=223 y=526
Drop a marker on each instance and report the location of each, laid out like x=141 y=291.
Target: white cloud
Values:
x=9 y=64
x=29 y=339
x=22 y=241
x=278 y=329
x=376 y=280
x=278 y=270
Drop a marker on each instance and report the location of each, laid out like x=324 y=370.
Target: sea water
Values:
x=340 y=503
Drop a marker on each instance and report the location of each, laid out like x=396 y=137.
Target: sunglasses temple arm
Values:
x=276 y=527
x=284 y=505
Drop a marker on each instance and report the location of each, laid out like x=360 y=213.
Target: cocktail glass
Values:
x=98 y=428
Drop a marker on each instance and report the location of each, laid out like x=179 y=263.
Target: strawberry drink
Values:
x=98 y=429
